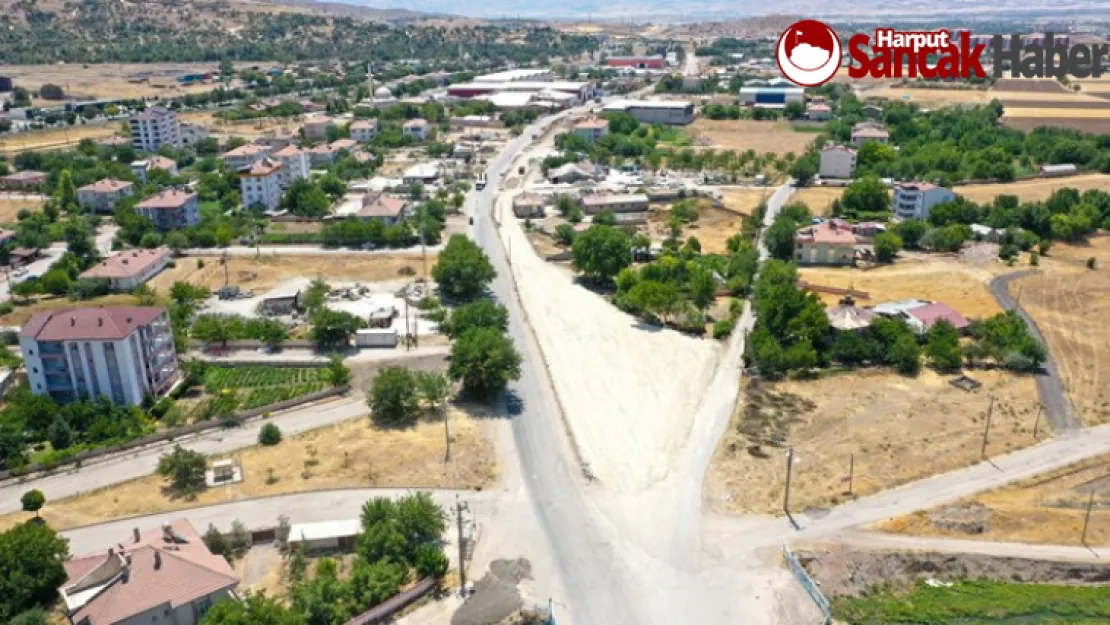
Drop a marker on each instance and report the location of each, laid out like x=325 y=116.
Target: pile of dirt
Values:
x=496 y=596
x=846 y=571
x=973 y=518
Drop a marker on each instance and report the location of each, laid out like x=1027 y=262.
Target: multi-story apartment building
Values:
x=294 y=164
x=155 y=127
x=914 y=200
x=245 y=155
x=364 y=130
x=260 y=184
x=171 y=209
x=837 y=161
x=102 y=195
x=122 y=353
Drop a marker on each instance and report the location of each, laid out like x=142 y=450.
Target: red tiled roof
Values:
x=126 y=264
x=289 y=150
x=343 y=144
x=593 y=123
x=413 y=123
x=107 y=185
x=263 y=167
x=249 y=149
x=170 y=198
x=827 y=232
x=369 y=124
x=78 y=324
x=931 y=313
x=382 y=206
x=161 y=162
x=26 y=174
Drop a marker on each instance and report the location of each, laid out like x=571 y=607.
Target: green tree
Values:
x=601 y=252
x=565 y=234
x=435 y=388
x=34 y=616
x=315 y=296
x=887 y=245
x=269 y=435
x=905 y=355
x=703 y=287
x=430 y=561
x=338 y=372
x=61 y=435
x=420 y=519
x=484 y=360
x=779 y=238
x=253 y=609
x=31 y=567
x=911 y=231
x=481 y=313
x=272 y=333
x=66 y=194
x=184 y=468
x=177 y=241
x=217 y=543
x=213 y=329
x=394 y=397
x=942 y=346
x=865 y=196
x=332 y=329
x=463 y=270
x=33 y=501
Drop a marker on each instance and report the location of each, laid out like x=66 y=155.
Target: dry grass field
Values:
x=109 y=80
x=770 y=136
x=900 y=429
x=929 y=97
x=264 y=272
x=818 y=199
x=10 y=208
x=352 y=453
x=1045 y=509
x=1032 y=190
x=744 y=200
x=712 y=229
x=1070 y=304
x=961 y=286
x=1017 y=112
x=249 y=128
x=55 y=138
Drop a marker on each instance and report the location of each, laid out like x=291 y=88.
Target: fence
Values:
x=170 y=435
x=384 y=611
x=808 y=584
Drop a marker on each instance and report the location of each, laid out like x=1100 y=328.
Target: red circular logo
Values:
x=808 y=53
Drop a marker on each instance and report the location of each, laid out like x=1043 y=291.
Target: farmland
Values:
x=776 y=137
x=1045 y=509
x=109 y=80
x=1032 y=190
x=899 y=429
x=55 y=138
x=231 y=389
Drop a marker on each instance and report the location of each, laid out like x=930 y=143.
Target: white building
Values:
x=837 y=161
x=142 y=168
x=260 y=184
x=245 y=155
x=192 y=134
x=127 y=269
x=123 y=353
x=517 y=75
x=914 y=200
x=592 y=130
x=770 y=95
x=154 y=128
x=416 y=128
x=424 y=173
x=102 y=195
x=655 y=112
x=364 y=130
x=294 y=164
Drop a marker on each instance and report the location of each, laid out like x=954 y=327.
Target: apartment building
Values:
x=192 y=134
x=172 y=209
x=142 y=168
x=316 y=129
x=260 y=184
x=123 y=353
x=364 y=130
x=155 y=127
x=102 y=195
x=245 y=155
x=294 y=164
x=914 y=200
x=837 y=161
x=416 y=128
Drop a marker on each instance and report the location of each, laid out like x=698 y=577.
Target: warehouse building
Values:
x=770 y=94
x=655 y=112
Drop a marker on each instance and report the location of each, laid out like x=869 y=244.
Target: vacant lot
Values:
x=9 y=209
x=1030 y=85
x=961 y=286
x=1070 y=304
x=899 y=429
x=1091 y=125
x=353 y=453
x=770 y=136
x=1050 y=112
x=109 y=80
x=930 y=97
x=1032 y=190
x=55 y=138
x=744 y=200
x=249 y=128
x=712 y=229
x=266 y=271
x=818 y=199
x=1046 y=509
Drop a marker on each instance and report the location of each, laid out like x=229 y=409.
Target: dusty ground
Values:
x=109 y=80
x=744 y=200
x=899 y=429
x=961 y=285
x=248 y=128
x=352 y=453
x=818 y=199
x=1046 y=509
x=1048 y=111
x=55 y=137
x=1032 y=190
x=10 y=208
x=21 y=314
x=1070 y=304
x=766 y=136
x=1091 y=125
x=264 y=272
x=712 y=229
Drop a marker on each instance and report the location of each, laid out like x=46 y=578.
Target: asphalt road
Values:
x=1050 y=388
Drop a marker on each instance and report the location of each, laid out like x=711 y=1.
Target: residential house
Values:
x=364 y=130
x=386 y=209
x=122 y=353
x=614 y=203
x=416 y=128
x=245 y=155
x=569 y=173
x=864 y=132
x=921 y=315
x=831 y=242
x=260 y=184
x=192 y=134
x=529 y=205
x=171 y=209
x=102 y=195
x=873 y=111
x=837 y=161
x=914 y=200
x=818 y=112
x=165 y=576
x=592 y=129
x=294 y=164
x=277 y=140
x=155 y=127
x=424 y=173
x=142 y=168
x=316 y=128
x=128 y=269
x=846 y=316
x=25 y=180
x=340 y=145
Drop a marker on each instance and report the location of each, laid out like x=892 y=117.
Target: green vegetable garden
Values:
x=244 y=388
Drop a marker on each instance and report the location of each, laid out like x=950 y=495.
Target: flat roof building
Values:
x=655 y=111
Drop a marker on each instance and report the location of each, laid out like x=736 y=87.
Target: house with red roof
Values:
x=128 y=269
x=831 y=242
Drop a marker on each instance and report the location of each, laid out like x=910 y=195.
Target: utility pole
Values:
x=987 y=430
x=786 y=493
x=408 y=332
x=1037 y=422
x=1087 y=518
x=226 y=278
x=459 y=508
x=446 y=431
x=851 y=472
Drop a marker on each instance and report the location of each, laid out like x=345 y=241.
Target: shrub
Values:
x=270 y=434
x=722 y=328
x=33 y=501
x=1092 y=263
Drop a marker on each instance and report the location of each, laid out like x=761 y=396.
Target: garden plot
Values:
x=228 y=389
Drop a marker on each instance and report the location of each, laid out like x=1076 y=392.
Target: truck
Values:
x=480 y=183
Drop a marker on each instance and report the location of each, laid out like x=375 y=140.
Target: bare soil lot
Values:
x=109 y=80
x=899 y=429
x=1070 y=304
x=55 y=138
x=264 y=272
x=248 y=128
x=352 y=453
x=818 y=199
x=1032 y=190
x=1054 y=104
x=1028 y=85
x=744 y=200
x=1083 y=124
x=712 y=229
x=9 y=209
x=1048 y=110
x=762 y=136
x=1045 y=509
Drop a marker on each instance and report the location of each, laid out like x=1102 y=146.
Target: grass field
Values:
x=770 y=136
x=1045 y=509
x=978 y=602
x=349 y=454
x=10 y=208
x=899 y=429
x=265 y=272
x=1032 y=190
